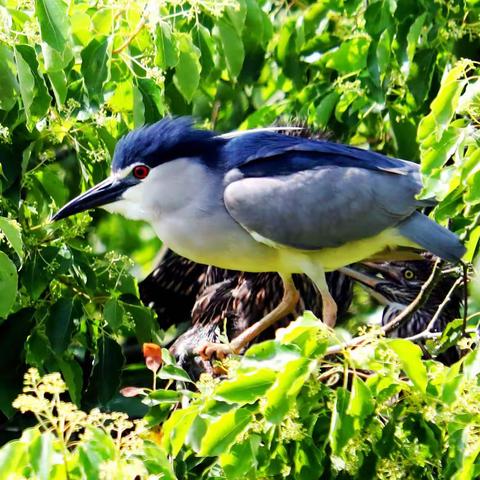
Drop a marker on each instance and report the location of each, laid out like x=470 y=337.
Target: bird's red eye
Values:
x=141 y=172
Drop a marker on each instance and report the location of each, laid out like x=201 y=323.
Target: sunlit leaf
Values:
x=41 y=452
x=8 y=284
x=361 y=402
x=95 y=65
x=7 y=78
x=53 y=19
x=232 y=47
x=246 y=388
x=224 y=432
x=11 y=230
x=410 y=356
x=279 y=398
x=187 y=71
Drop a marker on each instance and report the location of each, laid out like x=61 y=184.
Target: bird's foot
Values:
x=209 y=350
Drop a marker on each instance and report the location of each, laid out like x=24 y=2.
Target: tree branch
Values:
x=428 y=330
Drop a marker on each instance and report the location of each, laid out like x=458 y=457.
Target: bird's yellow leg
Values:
x=286 y=306
x=329 y=307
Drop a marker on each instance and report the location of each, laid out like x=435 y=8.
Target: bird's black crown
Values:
x=166 y=140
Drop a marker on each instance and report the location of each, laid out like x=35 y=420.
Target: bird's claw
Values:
x=210 y=350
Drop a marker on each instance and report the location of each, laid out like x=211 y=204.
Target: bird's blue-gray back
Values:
x=314 y=199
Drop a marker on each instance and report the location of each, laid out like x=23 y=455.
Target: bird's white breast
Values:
x=183 y=201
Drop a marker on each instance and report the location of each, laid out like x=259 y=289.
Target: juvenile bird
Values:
x=396 y=285
x=216 y=301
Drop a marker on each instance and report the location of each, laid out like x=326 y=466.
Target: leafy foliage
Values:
x=288 y=409
x=393 y=75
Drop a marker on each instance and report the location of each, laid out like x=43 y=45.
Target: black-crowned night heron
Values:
x=260 y=201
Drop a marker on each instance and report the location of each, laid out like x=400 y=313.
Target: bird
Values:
x=397 y=284
x=213 y=300
x=262 y=201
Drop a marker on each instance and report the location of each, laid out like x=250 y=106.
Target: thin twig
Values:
x=130 y=39
x=428 y=330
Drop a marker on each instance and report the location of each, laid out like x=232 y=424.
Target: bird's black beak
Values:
x=105 y=192
x=368 y=279
x=365 y=278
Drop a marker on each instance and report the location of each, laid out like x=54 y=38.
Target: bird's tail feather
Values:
x=432 y=236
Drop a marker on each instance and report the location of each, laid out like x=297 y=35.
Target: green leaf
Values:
x=105 y=378
x=145 y=325
x=149 y=101
x=166 y=50
x=55 y=62
x=13 y=458
x=53 y=19
x=222 y=433
x=444 y=105
x=361 y=403
x=8 y=284
x=157 y=462
x=384 y=50
x=187 y=71
x=279 y=399
x=59 y=84
x=164 y=396
x=270 y=354
x=176 y=428
x=471 y=364
x=33 y=89
x=72 y=373
x=8 y=81
x=60 y=325
x=41 y=451
x=410 y=356
x=442 y=150
x=240 y=458
x=11 y=229
x=304 y=333
x=325 y=108
x=414 y=35
x=26 y=82
x=350 y=57
x=98 y=449
x=473 y=241
x=171 y=372
x=113 y=313
x=341 y=425
x=232 y=47
x=236 y=15
x=246 y=388
x=205 y=43
x=96 y=66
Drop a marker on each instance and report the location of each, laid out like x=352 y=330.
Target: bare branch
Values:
x=419 y=301
x=130 y=39
x=426 y=333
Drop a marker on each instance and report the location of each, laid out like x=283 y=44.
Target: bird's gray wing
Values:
x=322 y=207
